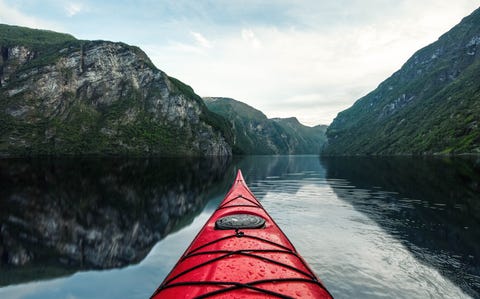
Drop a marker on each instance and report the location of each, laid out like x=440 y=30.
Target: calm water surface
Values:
x=370 y=228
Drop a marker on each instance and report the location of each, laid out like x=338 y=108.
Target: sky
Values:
x=304 y=58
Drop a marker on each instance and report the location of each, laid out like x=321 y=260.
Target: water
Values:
x=370 y=228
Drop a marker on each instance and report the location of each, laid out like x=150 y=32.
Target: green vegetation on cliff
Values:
x=430 y=106
x=15 y=35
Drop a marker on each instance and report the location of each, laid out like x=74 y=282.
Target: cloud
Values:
x=315 y=71
x=249 y=36
x=73 y=8
x=201 y=40
x=275 y=70
x=9 y=14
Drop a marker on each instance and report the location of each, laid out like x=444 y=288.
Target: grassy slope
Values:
x=33 y=38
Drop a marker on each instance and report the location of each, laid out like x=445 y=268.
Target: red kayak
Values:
x=241 y=253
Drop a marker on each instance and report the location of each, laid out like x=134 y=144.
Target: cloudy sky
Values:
x=304 y=58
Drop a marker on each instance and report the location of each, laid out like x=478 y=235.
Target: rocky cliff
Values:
x=59 y=95
x=256 y=134
x=431 y=105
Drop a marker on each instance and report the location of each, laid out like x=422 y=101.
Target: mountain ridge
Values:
x=431 y=105
x=257 y=134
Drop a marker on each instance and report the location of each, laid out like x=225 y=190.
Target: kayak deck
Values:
x=241 y=253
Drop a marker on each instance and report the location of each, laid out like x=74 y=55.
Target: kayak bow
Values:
x=241 y=253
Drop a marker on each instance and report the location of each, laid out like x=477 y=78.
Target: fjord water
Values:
x=369 y=227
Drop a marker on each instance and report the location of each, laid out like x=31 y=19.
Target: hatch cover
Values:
x=238 y=221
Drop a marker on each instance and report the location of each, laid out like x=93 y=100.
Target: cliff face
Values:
x=256 y=134
x=75 y=97
x=431 y=105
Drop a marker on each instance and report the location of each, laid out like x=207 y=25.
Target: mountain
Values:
x=305 y=139
x=256 y=134
x=430 y=106
x=60 y=95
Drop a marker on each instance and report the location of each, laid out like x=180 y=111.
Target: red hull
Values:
x=241 y=263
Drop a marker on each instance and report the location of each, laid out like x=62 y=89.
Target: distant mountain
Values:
x=308 y=139
x=60 y=95
x=256 y=134
x=431 y=105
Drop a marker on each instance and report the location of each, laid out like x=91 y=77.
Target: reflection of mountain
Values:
x=432 y=206
x=257 y=168
x=94 y=213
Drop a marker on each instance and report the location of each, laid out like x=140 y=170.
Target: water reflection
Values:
x=61 y=215
x=369 y=228
x=261 y=170
x=431 y=205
